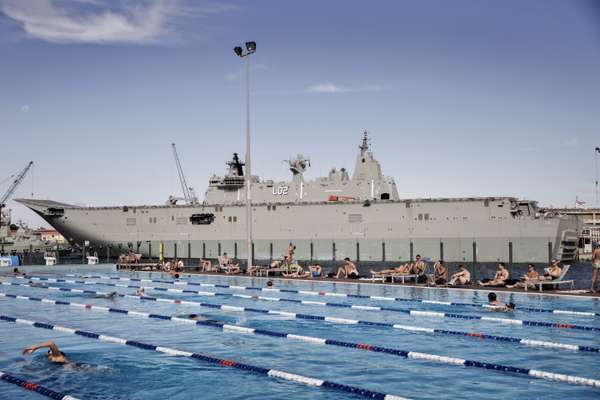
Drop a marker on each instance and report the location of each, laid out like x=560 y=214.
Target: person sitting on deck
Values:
x=442 y=274
x=298 y=272
x=348 y=270
x=315 y=270
x=206 y=265
x=233 y=268
x=497 y=306
x=224 y=260
x=552 y=272
x=528 y=280
x=54 y=354
x=419 y=269
x=460 y=277
x=402 y=269
x=502 y=274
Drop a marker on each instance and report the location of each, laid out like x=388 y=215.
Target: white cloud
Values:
x=25 y=108
x=97 y=21
x=329 y=88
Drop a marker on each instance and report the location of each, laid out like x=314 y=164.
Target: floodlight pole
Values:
x=250 y=49
x=248 y=171
x=596 y=153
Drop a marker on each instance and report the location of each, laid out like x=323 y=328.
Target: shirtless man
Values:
x=206 y=265
x=495 y=305
x=530 y=278
x=233 y=268
x=499 y=279
x=224 y=260
x=315 y=270
x=595 y=266
x=419 y=266
x=348 y=270
x=552 y=272
x=442 y=274
x=402 y=269
x=288 y=256
x=54 y=354
x=461 y=277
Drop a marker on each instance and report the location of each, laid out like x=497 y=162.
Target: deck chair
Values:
x=558 y=281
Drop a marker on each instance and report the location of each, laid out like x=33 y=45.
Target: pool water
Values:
x=105 y=370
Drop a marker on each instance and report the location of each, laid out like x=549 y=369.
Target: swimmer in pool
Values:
x=497 y=306
x=140 y=291
x=54 y=354
x=110 y=296
x=36 y=284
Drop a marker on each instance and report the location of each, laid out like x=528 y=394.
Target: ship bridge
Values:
x=366 y=183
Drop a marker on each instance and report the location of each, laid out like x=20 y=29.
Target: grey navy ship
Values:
x=360 y=216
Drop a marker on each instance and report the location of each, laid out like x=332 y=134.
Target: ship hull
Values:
x=456 y=230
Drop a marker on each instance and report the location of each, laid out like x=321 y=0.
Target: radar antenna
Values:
x=364 y=146
x=188 y=192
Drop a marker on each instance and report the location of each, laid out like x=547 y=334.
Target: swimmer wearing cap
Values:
x=54 y=354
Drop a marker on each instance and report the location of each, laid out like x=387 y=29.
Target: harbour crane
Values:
x=13 y=186
x=189 y=196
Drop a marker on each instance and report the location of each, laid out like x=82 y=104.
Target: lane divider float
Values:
x=320 y=341
x=412 y=313
x=34 y=387
x=405 y=328
x=332 y=294
x=305 y=380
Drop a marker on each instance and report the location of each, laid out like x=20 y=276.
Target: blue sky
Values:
x=461 y=98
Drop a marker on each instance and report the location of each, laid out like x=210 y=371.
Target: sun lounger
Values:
x=558 y=281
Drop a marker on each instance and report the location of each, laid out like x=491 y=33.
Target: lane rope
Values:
x=334 y=294
x=411 y=312
x=405 y=328
x=34 y=387
x=320 y=341
x=305 y=380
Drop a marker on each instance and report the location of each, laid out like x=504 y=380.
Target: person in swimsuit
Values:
x=402 y=269
x=54 y=354
x=497 y=306
x=460 y=277
x=528 y=280
x=348 y=270
x=442 y=274
x=595 y=266
x=110 y=296
x=552 y=272
x=315 y=270
x=502 y=274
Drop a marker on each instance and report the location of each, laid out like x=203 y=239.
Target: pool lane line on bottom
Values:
x=320 y=293
x=322 y=341
x=34 y=387
x=305 y=380
x=412 y=313
x=407 y=328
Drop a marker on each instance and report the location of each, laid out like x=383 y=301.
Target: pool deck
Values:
x=546 y=292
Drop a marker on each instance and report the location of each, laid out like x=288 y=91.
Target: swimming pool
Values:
x=290 y=329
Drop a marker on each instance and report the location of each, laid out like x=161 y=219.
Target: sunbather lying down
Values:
x=402 y=269
x=502 y=275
